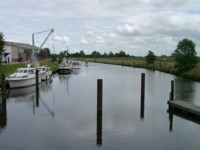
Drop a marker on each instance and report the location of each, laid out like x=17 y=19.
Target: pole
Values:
x=172 y=90
x=99 y=111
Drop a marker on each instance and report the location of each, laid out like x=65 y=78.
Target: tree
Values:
x=150 y=58
x=2 y=42
x=96 y=54
x=82 y=54
x=185 y=55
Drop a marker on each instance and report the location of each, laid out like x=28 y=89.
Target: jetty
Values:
x=185 y=107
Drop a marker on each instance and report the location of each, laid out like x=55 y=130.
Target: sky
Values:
x=134 y=26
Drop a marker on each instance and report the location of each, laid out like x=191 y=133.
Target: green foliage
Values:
x=96 y=54
x=185 y=55
x=1 y=45
x=150 y=58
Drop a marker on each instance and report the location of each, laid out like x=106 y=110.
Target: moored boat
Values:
x=45 y=73
x=22 y=77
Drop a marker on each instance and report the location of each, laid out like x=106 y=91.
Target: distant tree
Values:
x=150 y=58
x=104 y=54
x=185 y=55
x=82 y=54
x=120 y=54
x=96 y=54
x=110 y=54
x=2 y=43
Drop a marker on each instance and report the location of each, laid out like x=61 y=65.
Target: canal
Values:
x=63 y=114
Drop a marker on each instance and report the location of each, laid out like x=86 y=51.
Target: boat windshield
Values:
x=31 y=71
x=20 y=71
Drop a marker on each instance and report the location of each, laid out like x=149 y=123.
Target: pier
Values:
x=184 y=106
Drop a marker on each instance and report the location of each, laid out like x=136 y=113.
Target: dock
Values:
x=185 y=106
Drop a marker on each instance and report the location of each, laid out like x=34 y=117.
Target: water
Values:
x=63 y=115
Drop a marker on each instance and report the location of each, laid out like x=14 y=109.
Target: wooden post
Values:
x=172 y=90
x=142 y=85
x=99 y=93
x=37 y=87
x=142 y=95
x=3 y=86
x=99 y=111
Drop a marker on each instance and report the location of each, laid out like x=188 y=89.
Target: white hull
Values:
x=17 y=83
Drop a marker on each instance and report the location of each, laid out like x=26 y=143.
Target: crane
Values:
x=33 y=55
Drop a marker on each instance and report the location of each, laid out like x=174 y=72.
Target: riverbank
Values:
x=163 y=65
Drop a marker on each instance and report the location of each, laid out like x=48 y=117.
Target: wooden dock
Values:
x=185 y=106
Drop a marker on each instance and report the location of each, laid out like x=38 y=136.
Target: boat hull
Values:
x=64 y=71
x=17 y=83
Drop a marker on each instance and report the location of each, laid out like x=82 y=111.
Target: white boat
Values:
x=45 y=73
x=22 y=77
x=65 y=67
x=76 y=65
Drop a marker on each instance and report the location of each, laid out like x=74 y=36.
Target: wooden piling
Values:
x=99 y=111
x=99 y=93
x=37 y=87
x=172 y=90
x=142 y=85
x=3 y=86
x=142 y=95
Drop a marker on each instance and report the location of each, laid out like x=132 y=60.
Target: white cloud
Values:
x=132 y=25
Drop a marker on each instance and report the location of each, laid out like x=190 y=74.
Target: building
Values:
x=14 y=52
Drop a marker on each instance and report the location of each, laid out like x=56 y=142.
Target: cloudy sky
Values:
x=134 y=26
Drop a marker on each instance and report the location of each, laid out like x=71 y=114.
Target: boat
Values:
x=22 y=77
x=45 y=73
x=76 y=65
x=65 y=67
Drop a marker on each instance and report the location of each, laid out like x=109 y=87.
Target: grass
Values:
x=163 y=65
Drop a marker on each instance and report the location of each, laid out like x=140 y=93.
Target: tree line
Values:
x=185 y=54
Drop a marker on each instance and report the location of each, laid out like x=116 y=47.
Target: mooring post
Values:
x=99 y=111
x=37 y=77
x=3 y=86
x=122 y=63
x=172 y=90
x=142 y=95
x=37 y=87
x=142 y=85
x=99 y=94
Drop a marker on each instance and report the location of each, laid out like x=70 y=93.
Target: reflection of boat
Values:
x=22 y=91
x=45 y=73
x=22 y=77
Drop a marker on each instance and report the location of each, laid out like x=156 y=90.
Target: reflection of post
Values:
x=99 y=111
x=37 y=88
x=170 y=118
x=142 y=108
x=142 y=95
x=3 y=113
x=3 y=86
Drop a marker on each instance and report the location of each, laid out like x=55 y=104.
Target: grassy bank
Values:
x=10 y=68
x=167 y=65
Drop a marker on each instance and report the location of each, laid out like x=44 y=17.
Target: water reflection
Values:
x=184 y=89
x=181 y=114
x=3 y=114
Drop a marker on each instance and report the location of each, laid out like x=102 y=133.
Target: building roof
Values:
x=19 y=45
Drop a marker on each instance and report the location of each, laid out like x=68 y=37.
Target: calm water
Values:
x=63 y=115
